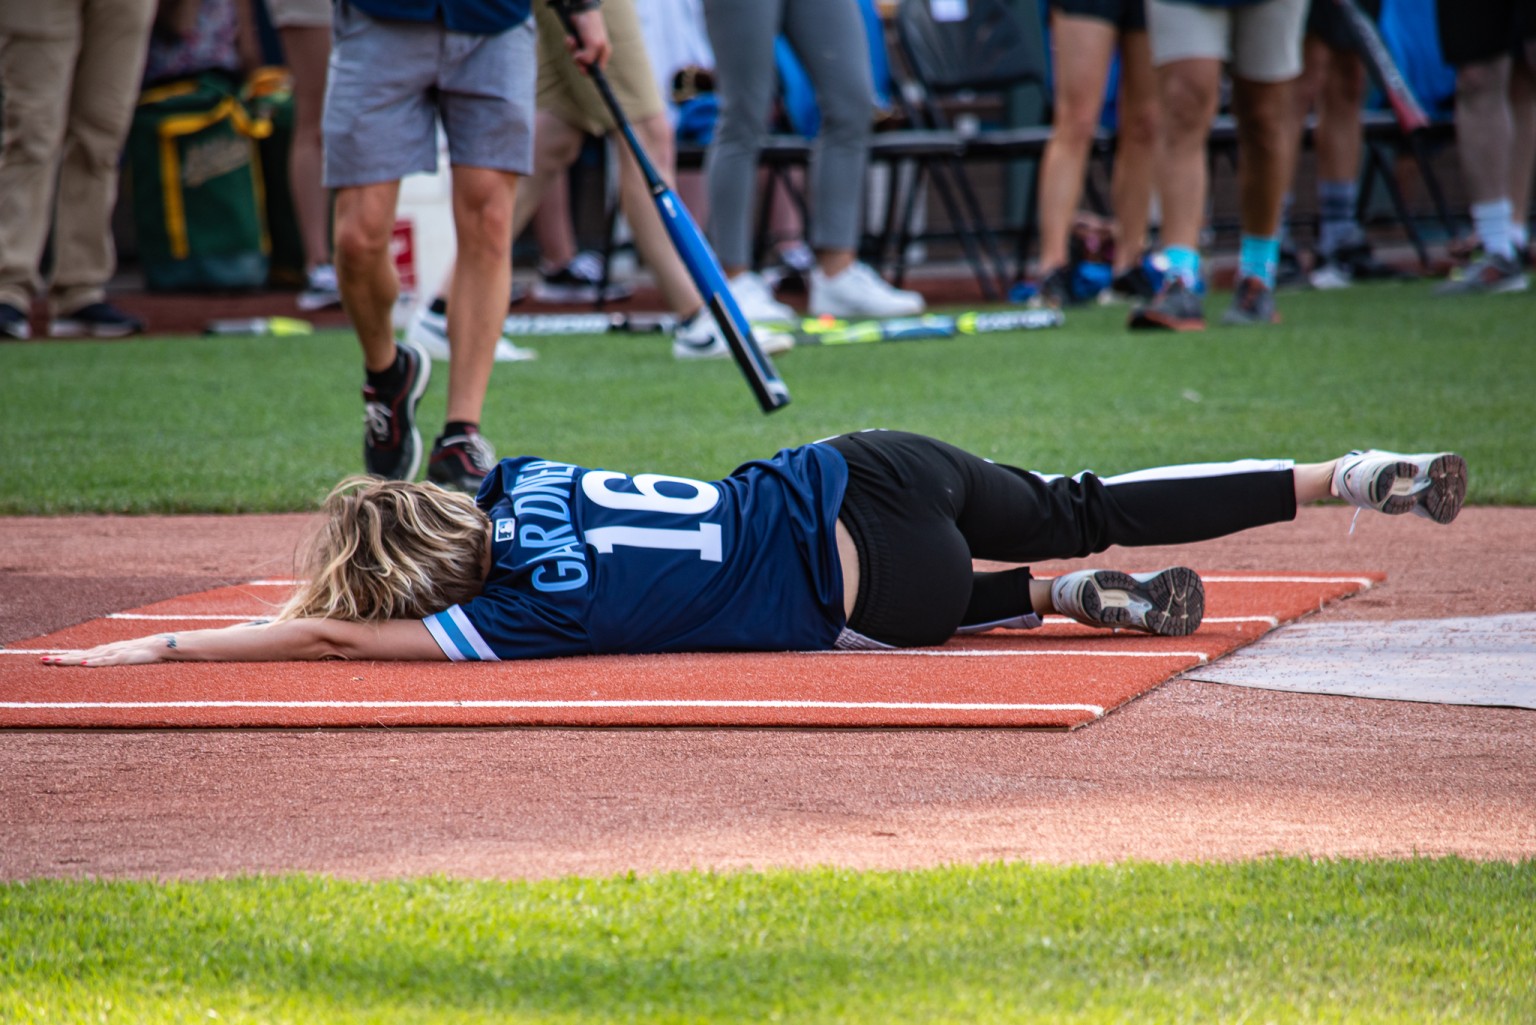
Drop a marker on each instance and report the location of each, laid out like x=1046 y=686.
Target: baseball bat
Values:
x=703 y=267
x=932 y=325
x=1383 y=68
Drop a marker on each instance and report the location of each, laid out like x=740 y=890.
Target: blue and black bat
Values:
x=700 y=260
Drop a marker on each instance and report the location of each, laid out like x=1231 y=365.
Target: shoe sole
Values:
x=1150 y=320
x=61 y=329
x=579 y=293
x=309 y=302
x=1441 y=500
x=1176 y=598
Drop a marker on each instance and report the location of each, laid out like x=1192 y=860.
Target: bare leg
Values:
x=1189 y=91
x=483 y=200
x=1136 y=150
x=307 y=48
x=1081 y=48
x=1267 y=143
x=365 y=272
x=1484 y=130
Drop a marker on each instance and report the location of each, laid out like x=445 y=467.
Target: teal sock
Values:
x=1184 y=263
x=1259 y=257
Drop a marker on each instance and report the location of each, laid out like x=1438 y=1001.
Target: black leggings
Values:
x=920 y=510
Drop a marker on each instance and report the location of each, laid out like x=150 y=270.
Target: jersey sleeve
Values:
x=502 y=625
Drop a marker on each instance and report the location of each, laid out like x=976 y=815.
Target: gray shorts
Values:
x=390 y=83
x=1261 y=42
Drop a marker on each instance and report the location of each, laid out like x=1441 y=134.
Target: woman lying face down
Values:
x=863 y=540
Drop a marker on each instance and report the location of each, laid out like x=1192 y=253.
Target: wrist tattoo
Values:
x=170 y=640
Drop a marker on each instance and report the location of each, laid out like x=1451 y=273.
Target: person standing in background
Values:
x=1084 y=35
x=398 y=68
x=1260 y=42
x=69 y=78
x=829 y=38
x=1492 y=46
x=1333 y=83
x=304 y=26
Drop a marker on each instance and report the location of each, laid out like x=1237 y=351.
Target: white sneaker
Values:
x=1169 y=603
x=1432 y=484
x=700 y=338
x=755 y=297
x=430 y=333
x=859 y=292
x=321 y=290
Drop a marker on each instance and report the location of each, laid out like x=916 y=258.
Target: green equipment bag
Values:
x=268 y=96
x=198 y=197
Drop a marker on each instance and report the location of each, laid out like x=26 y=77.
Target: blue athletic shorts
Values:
x=391 y=82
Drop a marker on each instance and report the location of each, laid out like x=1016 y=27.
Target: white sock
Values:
x=1494 y=221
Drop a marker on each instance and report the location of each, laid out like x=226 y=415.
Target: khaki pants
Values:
x=69 y=82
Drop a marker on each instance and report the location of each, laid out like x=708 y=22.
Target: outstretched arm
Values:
x=289 y=640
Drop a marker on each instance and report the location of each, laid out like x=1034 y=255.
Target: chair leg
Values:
x=1420 y=152
x=976 y=238
x=1382 y=165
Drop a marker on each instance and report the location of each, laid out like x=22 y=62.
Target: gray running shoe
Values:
x=1176 y=307
x=1169 y=603
x=1252 y=303
x=1431 y=484
x=1488 y=276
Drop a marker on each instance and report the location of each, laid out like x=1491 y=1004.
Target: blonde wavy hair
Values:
x=390 y=549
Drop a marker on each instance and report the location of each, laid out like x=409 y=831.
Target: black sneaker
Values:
x=96 y=320
x=1252 y=303
x=1134 y=285
x=460 y=462
x=1176 y=307
x=577 y=282
x=1288 y=269
x=1055 y=290
x=1361 y=260
x=391 y=442
x=14 y=322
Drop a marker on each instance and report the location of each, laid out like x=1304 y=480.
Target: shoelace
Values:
x=378 y=418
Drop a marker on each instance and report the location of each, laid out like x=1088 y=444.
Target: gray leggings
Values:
x=828 y=37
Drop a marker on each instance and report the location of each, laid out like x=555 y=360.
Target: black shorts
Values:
x=1125 y=15
x=1473 y=31
x=920 y=510
x=1327 y=22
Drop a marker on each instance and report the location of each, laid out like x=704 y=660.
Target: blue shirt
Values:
x=481 y=17
x=590 y=561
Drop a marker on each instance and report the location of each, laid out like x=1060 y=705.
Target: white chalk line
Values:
x=916 y=652
x=919 y=706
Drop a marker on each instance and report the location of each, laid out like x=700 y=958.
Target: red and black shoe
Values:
x=460 y=461
x=391 y=442
x=1176 y=307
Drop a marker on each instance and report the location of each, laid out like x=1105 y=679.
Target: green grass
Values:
x=268 y=424
x=1270 y=941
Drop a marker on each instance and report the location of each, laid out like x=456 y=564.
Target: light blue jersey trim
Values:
x=458 y=638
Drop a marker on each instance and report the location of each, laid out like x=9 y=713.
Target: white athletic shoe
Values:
x=755 y=297
x=1431 y=484
x=1169 y=603
x=700 y=338
x=859 y=292
x=430 y=333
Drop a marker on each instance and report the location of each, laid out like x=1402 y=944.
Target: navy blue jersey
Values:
x=478 y=17
x=592 y=561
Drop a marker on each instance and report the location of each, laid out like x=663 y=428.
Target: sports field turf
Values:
x=265 y=424
x=226 y=425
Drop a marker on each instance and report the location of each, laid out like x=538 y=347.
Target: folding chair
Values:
x=965 y=50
